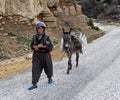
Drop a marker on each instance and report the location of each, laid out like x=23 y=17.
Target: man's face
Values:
x=40 y=30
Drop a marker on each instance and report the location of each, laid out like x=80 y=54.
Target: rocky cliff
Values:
x=18 y=19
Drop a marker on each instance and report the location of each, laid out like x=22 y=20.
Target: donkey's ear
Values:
x=70 y=30
x=63 y=30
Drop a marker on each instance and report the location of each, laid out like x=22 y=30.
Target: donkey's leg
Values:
x=69 y=63
x=68 y=68
x=77 y=58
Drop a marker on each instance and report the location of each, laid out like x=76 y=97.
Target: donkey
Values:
x=71 y=44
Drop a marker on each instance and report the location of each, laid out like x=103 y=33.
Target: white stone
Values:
x=28 y=56
x=23 y=19
x=15 y=23
x=16 y=20
x=78 y=9
x=10 y=17
x=35 y=21
x=72 y=10
x=59 y=9
x=29 y=24
x=5 y=34
x=66 y=10
x=1 y=17
x=3 y=23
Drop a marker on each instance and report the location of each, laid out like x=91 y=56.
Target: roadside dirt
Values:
x=19 y=66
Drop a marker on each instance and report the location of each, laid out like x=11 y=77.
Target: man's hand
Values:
x=36 y=48
x=41 y=46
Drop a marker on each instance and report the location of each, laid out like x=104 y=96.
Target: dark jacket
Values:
x=45 y=40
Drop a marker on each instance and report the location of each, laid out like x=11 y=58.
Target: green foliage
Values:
x=24 y=41
x=91 y=8
x=1 y=42
x=90 y=23
x=55 y=42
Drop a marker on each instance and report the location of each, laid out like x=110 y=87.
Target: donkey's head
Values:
x=67 y=39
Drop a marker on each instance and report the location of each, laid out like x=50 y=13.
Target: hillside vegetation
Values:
x=108 y=10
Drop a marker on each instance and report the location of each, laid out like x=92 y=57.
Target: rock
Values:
x=5 y=34
x=56 y=14
x=29 y=24
x=16 y=20
x=66 y=10
x=15 y=23
x=11 y=18
x=59 y=9
x=28 y=21
x=35 y=21
x=78 y=9
x=72 y=10
x=50 y=19
x=2 y=29
x=13 y=59
x=51 y=24
x=13 y=37
x=53 y=3
x=1 y=34
x=22 y=19
x=28 y=56
x=3 y=23
x=23 y=22
x=1 y=17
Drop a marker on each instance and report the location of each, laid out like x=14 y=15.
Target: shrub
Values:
x=24 y=41
x=91 y=24
x=55 y=42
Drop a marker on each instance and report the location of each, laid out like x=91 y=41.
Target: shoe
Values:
x=50 y=81
x=32 y=87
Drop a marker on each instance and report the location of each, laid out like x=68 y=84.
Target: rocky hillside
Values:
x=18 y=19
x=105 y=10
x=111 y=11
